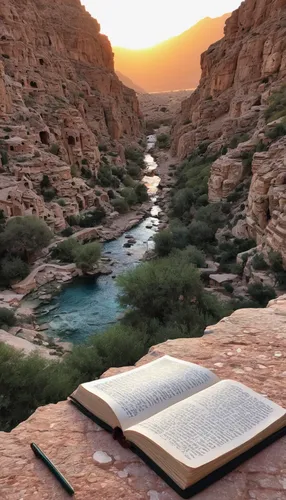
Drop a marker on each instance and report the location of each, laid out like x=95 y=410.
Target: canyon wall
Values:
x=240 y=73
x=59 y=100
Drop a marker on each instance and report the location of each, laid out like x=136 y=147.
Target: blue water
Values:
x=90 y=305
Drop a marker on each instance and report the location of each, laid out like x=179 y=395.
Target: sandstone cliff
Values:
x=240 y=73
x=249 y=347
x=59 y=100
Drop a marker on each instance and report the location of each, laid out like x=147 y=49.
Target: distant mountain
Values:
x=129 y=83
x=173 y=64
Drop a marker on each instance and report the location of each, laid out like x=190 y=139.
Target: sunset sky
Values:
x=143 y=23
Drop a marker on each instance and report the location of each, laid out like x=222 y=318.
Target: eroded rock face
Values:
x=249 y=347
x=238 y=73
x=59 y=99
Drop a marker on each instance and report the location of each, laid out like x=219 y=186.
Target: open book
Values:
x=181 y=416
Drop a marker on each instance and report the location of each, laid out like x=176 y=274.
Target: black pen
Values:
x=40 y=454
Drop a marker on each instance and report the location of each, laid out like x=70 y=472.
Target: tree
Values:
x=167 y=288
x=141 y=192
x=163 y=243
x=200 y=233
x=87 y=256
x=13 y=269
x=66 y=250
x=24 y=236
x=261 y=293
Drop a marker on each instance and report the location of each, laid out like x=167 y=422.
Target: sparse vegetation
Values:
x=259 y=263
x=163 y=141
x=54 y=149
x=277 y=105
x=261 y=294
x=7 y=318
x=279 y=130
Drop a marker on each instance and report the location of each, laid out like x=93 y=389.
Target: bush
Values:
x=45 y=182
x=233 y=197
x=104 y=176
x=49 y=194
x=163 y=141
x=141 y=192
x=68 y=231
x=277 y=267
x=72 y=220
x=54 y=149
x=135 y=155
x=275 y=132
x=74 y=171
x=182 y=201
x=164 y=243
x=4 y=157
x=262 y=294
x=13 y=269
x=168 y=290
x=118 y=172
x=259 y=263
x=277 y=105
x=120 y=205
x=228 y=287
x=87 y=256
x=194 y=256
x=134 y=171
x=61 y=202
x=66 y=250
x=92 y=218
x=24 y=236
x=7 y=318
x=200 y=234
x=129 y=195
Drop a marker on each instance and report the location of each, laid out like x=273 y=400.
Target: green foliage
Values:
x=163 y=141
x=103 y=148
x=168 y=290
x=118 y=172
x=7 y=319
x=13 y=269
x=237 y=139
x=279 y=130
x=277 y=105
x=68 y=231
x=228 y=287
x=262 y=294
x=141 y=192
x=23 y=236
x=72 y=220
x=135 y=155
x=128 y=181
x=45 y=182
x=49 y=194
x=66 y=250
x=233 y=197
x=193 y=256
x=4 y=157
x=54 y=149
x=277 y=267
x=129 y=195
x=87 y=256
x=120 y=205
x=182 y=201
x=61 y=202
x=86 y=172
x=259 y=263
x=134 y=171
x=74 y=171
x=200 y=233
x=164 y=243
x=92 y=217
x=104 y=176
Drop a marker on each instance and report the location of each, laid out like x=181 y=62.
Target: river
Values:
x=90 y=305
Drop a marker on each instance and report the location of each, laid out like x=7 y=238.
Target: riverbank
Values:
x=50 y=284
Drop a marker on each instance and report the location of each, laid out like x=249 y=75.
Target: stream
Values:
x=90 y=305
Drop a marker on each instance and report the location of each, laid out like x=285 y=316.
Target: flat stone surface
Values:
x=249 y=347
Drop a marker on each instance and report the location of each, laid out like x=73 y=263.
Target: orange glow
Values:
x=137 y=24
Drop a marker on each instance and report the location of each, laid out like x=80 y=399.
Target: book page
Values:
x=210 y=423
x=144 y=391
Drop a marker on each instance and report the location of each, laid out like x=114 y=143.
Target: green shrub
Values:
x=49 y=194
x=103 y=148
x=134 y=171
x=7 y=318
x=54 y=149
x=87 y=256
x=86 y=172
x=118 y=172
x=193 y=256
x=66 y=250
x=74 y=171
x=182 y=201
x=129 y=195
x=233 y=197
x=262 y=294
x=13 y=269
x=237 y=139
x=163 y=141
x=61 y=202
x=259 y=263
x=135 y=155
x=104 y=176
x=164 y=243
x=141 y=193
x=277 y=105
x=120 y=205
x=45 y=182
x=23 y=236
x=4 y=157
x=277 y=267
x=92 y=217
x=279 y=130
x=200 y=233
x=128 y=181
x=228 y=287
x=68 y=231
x=72 y=220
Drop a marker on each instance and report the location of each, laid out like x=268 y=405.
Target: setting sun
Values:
x=141 y=24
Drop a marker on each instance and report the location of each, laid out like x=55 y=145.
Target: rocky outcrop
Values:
x=59 y=100
x=238 y=73
x=249 y=346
